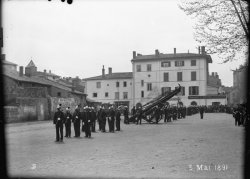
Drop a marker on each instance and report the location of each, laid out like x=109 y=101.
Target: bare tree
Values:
x=221 y=25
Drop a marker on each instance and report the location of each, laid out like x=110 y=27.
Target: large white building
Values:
x=113 y=88
x=157 y=73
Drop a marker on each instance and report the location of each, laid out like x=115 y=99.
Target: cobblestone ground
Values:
x=187 y=148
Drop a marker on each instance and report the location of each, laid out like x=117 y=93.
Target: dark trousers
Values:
x=112 y=124
x=77 y=129
x=68 y=129
x=83 y=127
x=236 y=121
x=103 y=124
x=93 y=126
x=87 y=130
x=99 y=122
x=138 y=119
x=201 y=114
x=117 y=123
x=59 y=131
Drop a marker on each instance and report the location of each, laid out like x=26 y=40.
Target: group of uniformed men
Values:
x=241 y=116
x=88 y=117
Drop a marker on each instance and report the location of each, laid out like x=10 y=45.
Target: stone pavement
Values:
x=186 y=148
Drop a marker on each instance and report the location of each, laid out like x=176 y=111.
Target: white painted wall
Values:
x=157 y=79
x=110 y=87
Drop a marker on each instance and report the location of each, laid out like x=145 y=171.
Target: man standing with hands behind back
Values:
x=58 y=121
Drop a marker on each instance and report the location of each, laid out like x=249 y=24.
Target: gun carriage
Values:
x=147 y=110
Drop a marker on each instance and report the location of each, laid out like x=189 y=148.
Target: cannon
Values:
x=148 y=109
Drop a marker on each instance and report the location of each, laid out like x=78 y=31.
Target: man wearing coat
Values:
x=87 y=123
x=93 y=119
x=68 y=119
x=58 y=121
x=118 y=119
x=77 y=121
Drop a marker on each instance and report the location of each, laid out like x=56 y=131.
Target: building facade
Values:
x=112 y=88
x=159 y=73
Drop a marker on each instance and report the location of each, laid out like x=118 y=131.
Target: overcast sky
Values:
x=77 y=39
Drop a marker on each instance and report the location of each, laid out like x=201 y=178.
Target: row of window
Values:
x=166 y=64
x=98 y=84
x=117 y=95
x=193 y=90
x=179 y=76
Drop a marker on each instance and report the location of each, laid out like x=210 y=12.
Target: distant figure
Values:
x=68 y=119
x=103 y=119
x=112 y=120
x=87 y=123
x=157 y=114
x=58 y=121
x=201 y=111
x=118 y=119
x=93 y=119
x=77 y=121
x=139 y=115
x=126 y=119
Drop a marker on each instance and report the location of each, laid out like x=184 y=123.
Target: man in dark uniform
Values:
x=139 y=115
x=93 y=119
x=201 y=111
x=68 y=119
x=112 y=119
x=99 y=117
x=58 y=121
x=157 y=114
x=87 y=123
x=237 y=117
x=103 y=119
x=174 y=113
x=183 y=112
x=83 y=118
x=77 y=121
x=126 y=119
x=133 y=112
x=118 y=119
x=108 y=118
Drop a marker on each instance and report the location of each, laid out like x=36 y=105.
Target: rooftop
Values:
x=31 y=64
x=121 y=75
x=171 y=56
x=5 y=62
x=15 y=75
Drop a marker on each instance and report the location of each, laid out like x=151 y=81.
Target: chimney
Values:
x=21 y=71
x=44 y=71
x=174 y=50
x=103 y=71
x=134 y=54
x=199 y=50
x=110 y=70
x=203 y=50
x=157 y=52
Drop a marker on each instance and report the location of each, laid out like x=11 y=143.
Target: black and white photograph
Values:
x=124 y=89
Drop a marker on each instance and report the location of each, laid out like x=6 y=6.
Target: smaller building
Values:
x=112 y=88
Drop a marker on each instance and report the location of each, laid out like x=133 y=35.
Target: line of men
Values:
x=169 y=112
x=88 y=117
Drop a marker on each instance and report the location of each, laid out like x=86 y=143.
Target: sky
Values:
x=78 y=39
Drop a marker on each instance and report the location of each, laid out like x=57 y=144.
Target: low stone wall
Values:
x=11 y=113
x=27 y=109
